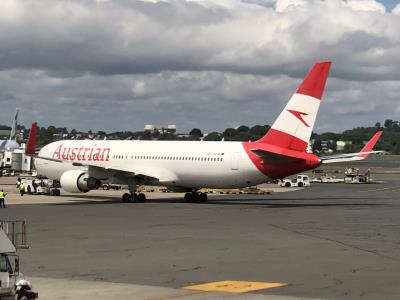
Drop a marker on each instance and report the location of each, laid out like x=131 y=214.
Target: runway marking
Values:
x=232 y=286
x=175 y=296
x=381 y=189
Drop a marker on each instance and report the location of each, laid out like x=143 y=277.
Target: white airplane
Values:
x=11 y=143
x=187 y=166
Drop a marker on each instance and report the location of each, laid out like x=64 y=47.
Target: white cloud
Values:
x=396 y=9
x=365 y=5
x=11 y=11
x=195 y=55
x=285 y=5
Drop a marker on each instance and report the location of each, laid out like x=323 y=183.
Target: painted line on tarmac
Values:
x=176 y=295
x=232 y=286
x=382 y=189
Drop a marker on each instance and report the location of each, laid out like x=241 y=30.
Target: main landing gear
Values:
x=196 y=197
x=133 y=197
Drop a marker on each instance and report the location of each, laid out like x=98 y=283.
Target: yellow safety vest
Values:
x=21 y=186
x=1 y=195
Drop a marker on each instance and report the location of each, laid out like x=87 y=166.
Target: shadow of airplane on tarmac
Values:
x=250 y=202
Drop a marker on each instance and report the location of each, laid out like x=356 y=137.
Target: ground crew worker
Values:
x=34 y=184
x=21 y=189
x=2 y=199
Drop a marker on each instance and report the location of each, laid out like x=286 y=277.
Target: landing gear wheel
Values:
x=188 y=197
x=202 y=197
x=141 y=198
x=134 y=197
x=195 y=197
x=126 y=198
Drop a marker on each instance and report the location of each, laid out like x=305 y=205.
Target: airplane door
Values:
x=235 y=161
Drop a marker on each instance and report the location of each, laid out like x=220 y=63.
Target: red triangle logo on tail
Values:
x=299 y=115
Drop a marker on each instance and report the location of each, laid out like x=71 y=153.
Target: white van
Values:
x=12 y=282
x=300 y=181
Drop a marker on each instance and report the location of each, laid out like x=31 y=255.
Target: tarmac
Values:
x=327 y=241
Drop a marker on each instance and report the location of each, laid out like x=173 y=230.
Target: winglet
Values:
x=371 y=144
x=31 y=144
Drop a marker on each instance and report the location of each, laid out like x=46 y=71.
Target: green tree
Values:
x=388 y=123
x=213 y=136
x=259 y=131
x=242 y=129
x=229 y=133
x=196 y=133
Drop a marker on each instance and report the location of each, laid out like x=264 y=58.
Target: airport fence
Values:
x=16 y=232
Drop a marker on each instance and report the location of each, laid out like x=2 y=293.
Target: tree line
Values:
x=390 y=140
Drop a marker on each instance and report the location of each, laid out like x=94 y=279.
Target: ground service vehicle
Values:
x=299 y=181
x=12 y=283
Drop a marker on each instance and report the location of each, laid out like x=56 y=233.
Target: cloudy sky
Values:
x=119 y=64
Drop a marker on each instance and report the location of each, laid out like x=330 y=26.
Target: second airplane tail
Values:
x=13 y=135
x=293 y=128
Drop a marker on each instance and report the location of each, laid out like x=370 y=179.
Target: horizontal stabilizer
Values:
x=273 y=158
x=370 y=145
x=347 y=157
x=365 y=151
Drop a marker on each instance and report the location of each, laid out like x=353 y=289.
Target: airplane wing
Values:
x=159 y=174
x=365 y=151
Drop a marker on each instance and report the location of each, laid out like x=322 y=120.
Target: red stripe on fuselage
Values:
x=280 y=170
x=284 y=140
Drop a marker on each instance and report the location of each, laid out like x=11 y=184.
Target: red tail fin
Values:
x=31 y=144
x=313 y=85
x=293 y=128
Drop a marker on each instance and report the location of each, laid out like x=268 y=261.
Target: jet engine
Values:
x=77 y=181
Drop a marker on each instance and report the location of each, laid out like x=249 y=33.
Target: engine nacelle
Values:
x=76 y=181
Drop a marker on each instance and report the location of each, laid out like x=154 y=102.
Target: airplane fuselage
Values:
x=184 y=164
x=8 y=145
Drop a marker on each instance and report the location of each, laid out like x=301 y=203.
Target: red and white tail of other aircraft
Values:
x=188 y=166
